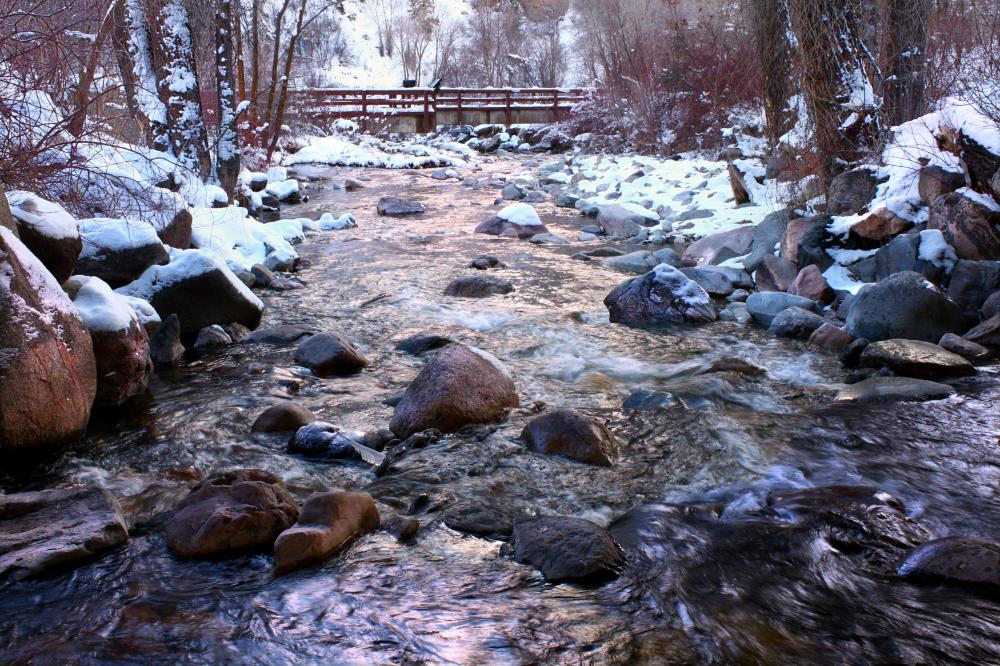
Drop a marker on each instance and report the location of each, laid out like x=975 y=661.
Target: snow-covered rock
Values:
x=284 y=190
x=121 y=346
x=242 y=241
x=47 y=370
x=200 y=289
x=118 y=251
x=48 y=230
x=517 y=219
x=662 y=296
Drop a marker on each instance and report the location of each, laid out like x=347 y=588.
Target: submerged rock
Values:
x=240 y=511
x=485 y=262
x=319 y=439
x=398 y=207
x=565 y=548
x=459 y=386
x=56 y=528
x=914 y=358
x=662 y=296
x=895 y=389
x=330 y=354
x=795 y=322
x=565 y=432
x=284 y=417
x=955 y=559
x=477 y=286
x=415 y=345
x=327 y=523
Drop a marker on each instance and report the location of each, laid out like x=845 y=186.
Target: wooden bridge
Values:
x=417 y=110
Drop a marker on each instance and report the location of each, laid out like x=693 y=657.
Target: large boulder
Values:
x=330 y=354
x=174 y=228
x=459 y=386
x=775 y=274
x=972 y=282
x=47 y=371
x=56 y=528
x=851 y=192
x=807 y=231
x=902 y=253
x=955 y=559
x=398 y=207
x=969 y=222
x=564 y=548
x=118 y=251
x=766 y=236
x=904 y=305
x=625 y=220
x=915 y=358
x=881 y=225
x=518 y=219
x=240 y=511
x=720 y=247
x=121 y=345
x=47 y=230
x=565 y=432
x=328 y=522
x=764 y=306
x=199 y=289
x=662 y=296
x=477 y=286
x=935 y=181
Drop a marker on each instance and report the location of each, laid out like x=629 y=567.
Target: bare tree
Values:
x=904 y=52
x=227 y=152
x=772 y=34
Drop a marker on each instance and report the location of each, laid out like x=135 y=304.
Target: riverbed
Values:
x=765 y=520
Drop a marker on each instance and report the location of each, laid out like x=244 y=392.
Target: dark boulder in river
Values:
x=565 y=432
x=330 y=354
x=662 y=296
x=565 y=548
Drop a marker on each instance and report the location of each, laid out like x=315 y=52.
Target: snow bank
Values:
x=520 y=213
x=283 y=189
x=366 y=151
x=46 y=217
x=101 y=308
x=242 y=241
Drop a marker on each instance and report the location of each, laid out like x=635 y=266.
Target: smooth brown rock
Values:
x=283 y=417
x=880 y=226
x=986 y=333
x=124 y=365
x=48 y=376
x=717 y=248
x=55 y=528
x=935 y=181
x=459 y=386
x=895 y=389
x=811 y=284
x=477 y=286
x=795 y=232
x=915 y=358
x=177 y=232
x=240 y=511
x=330 y=354
x=328 y=522
x=967 y=225
x=565 y=432
x=830 y=338
x=972 y=352
x=564 y=548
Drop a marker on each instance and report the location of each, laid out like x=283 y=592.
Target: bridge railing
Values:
x=328 y=104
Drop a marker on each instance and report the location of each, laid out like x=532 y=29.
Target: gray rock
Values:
x=398 y=207
x=736 y=312
x=605 y=252
x=668 y=256
x=775 y=274
x=955 y=559
x=765 y=306
x=851 y=192
x=56 y=528
x=970 y=351
x=715 y=282
x=278 y=335
x=717 y=248
x=211 y=338
x=617 y=220
x=262 y=275
x=902 y=254
x=661 y=296
x=637 y=262
x=986 y=333
x=566 y=201
x=165 y=348
x=972 y=282
x=904 y=305
x=895 y=389
x=794 y=322
x=592 y=229
x=512 y=192
x=915 y=358
x=567 y=548
x=548 y=239
x=477 y=286
x=766 y=236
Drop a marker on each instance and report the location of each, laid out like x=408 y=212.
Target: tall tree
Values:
x=227 y=163
x=904 y=50
x=773 y=36
x=177 y=84
x=140 y=75
x=835 y=79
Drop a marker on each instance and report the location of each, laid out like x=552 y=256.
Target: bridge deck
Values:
x=423 y=109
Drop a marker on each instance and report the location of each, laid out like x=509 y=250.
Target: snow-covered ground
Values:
x=347 y=148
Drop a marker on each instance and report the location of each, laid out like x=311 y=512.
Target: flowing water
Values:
x=763 y=524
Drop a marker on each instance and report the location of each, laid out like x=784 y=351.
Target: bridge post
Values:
x=555 y=105
x=460 y=107
x=364 y=111
x=426 y=112
x=506 y=107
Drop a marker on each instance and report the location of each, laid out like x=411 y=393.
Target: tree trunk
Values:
x=904 y=50
x=139 y=55
x=275 y=59
x=82 y=99
x=177 y=85
x=279 y=112
x=775 y=51
x=227 y=166
x=835 y=81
